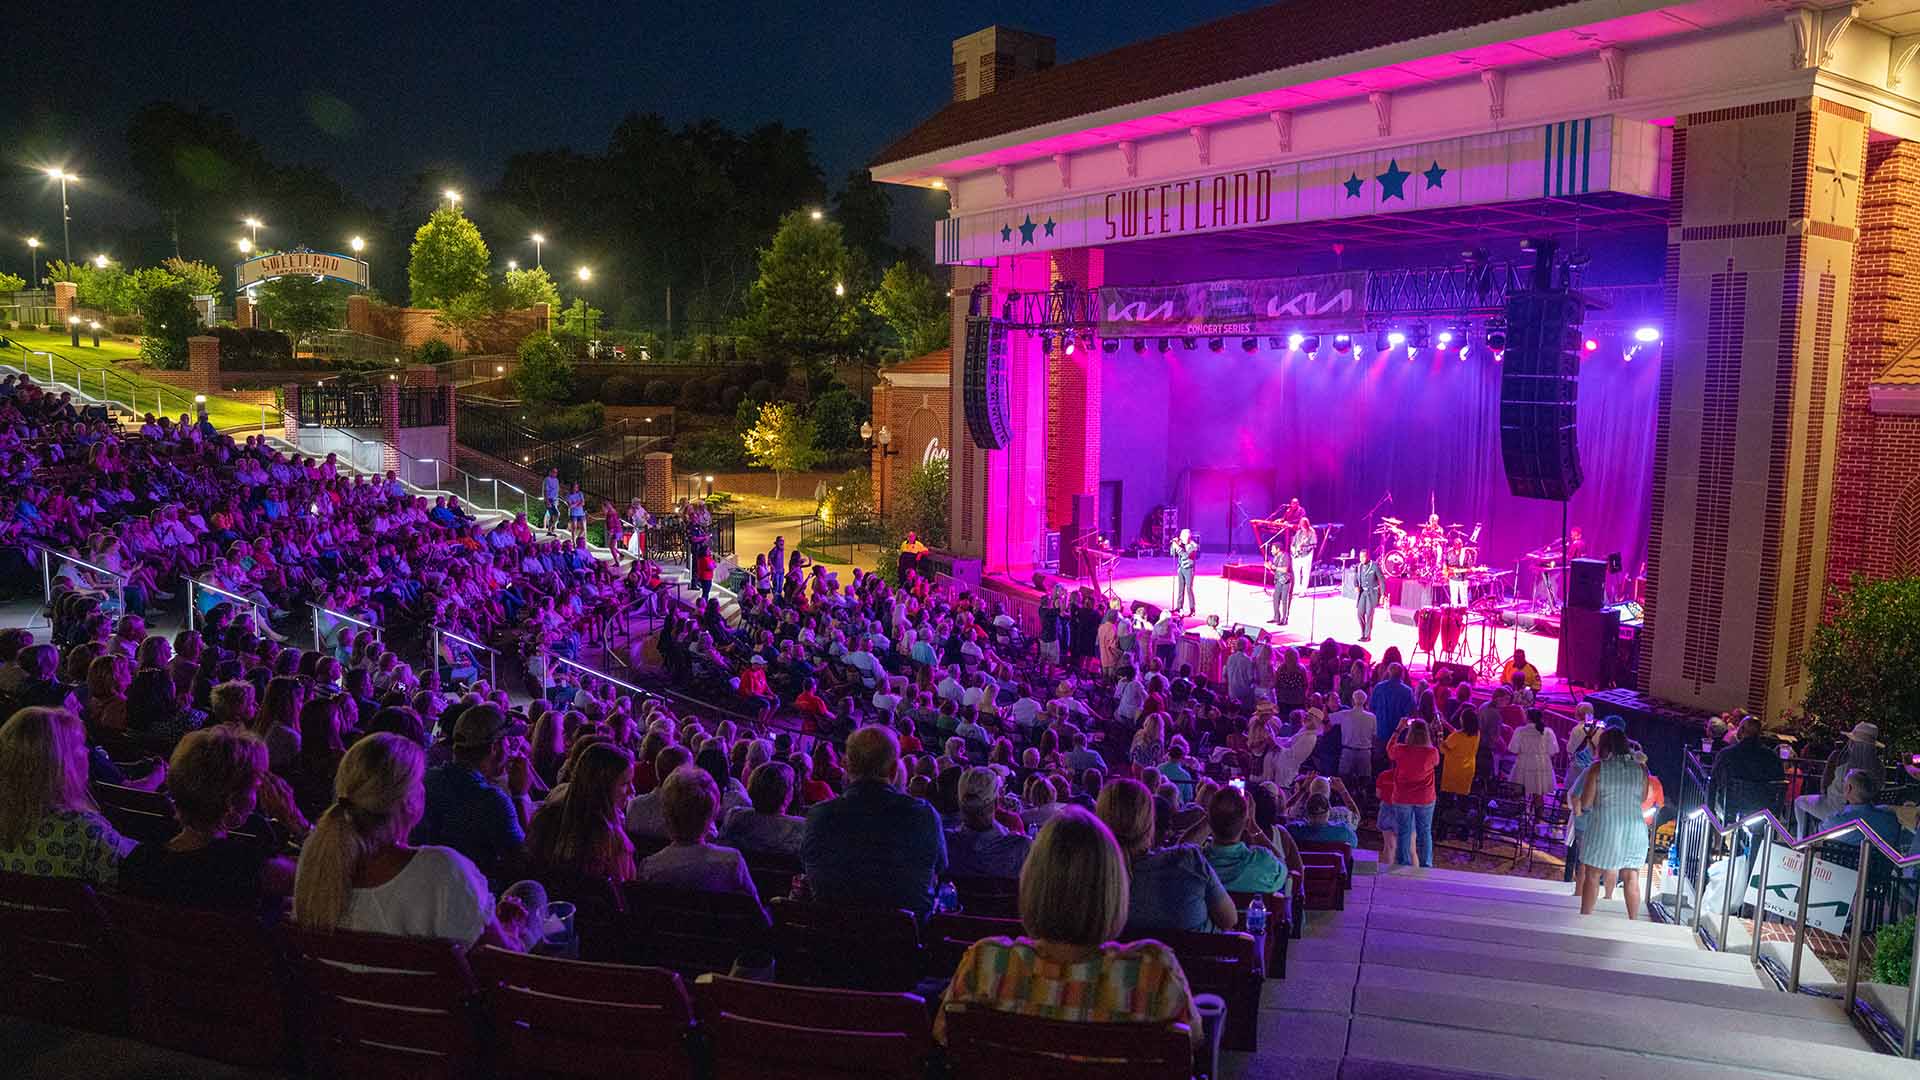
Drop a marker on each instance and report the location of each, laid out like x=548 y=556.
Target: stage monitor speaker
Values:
x=1589 y=640
x=1587 y=584
x=1086 y=512
x=1539 y=388
x=1663 y=731
x=1070 y=549
x=984 y=383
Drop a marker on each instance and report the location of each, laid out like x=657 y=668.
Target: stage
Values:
x=1317 y=615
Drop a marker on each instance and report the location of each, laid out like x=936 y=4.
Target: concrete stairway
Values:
x=1442 y=973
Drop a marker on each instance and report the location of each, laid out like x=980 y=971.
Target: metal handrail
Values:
x=342 y=616
x=493 y=654
x=194 y=583
x=132 y=391
x=1804 y=844
x=48 y=554
x=470 y=478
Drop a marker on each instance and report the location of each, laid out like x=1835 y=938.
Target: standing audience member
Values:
x=1533 y=748
x=1615 y=838
x=1414 y=761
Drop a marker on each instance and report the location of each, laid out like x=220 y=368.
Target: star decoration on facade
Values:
x=1393 y=182
x=1026 y=230
x=1049 y=226
x=1006 y=233
x=1433 y=174
x=1353 y=184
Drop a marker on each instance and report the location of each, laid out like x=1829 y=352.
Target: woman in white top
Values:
x=1281 y=765
x=357 y=871
x=1533 y=746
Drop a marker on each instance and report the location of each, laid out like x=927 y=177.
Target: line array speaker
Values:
x=1539 y=390
x=985 y=385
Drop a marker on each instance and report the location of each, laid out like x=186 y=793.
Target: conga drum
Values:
x=1453 y=626
x=1427 y=622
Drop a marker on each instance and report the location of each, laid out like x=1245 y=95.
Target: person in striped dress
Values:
x=1073 y=901
x=1615 y=838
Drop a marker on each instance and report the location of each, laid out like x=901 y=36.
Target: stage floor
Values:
x=1317 y=615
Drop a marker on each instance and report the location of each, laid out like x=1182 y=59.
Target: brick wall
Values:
x=413 y=327
x=1876 y=483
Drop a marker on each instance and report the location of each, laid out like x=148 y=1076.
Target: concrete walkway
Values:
x=1441 y=973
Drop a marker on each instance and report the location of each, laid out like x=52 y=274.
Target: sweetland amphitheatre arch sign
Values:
x=302 y=263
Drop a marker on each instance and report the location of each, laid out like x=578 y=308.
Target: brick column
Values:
x=1760 y=254
x=657 y=489
x=453 y=424
x=66 y=299
x=359 y=313
x=1876 y=489
x=242 y=310
x=203 y=363
x=290 y=412
x=390 y=425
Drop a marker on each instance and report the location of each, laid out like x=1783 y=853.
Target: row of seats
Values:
x=363 y=1005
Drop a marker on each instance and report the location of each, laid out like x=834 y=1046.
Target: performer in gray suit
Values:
x=1184 y=549
x=1280 y=564
x=1367 y=583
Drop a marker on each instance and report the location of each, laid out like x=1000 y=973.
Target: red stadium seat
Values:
x=768 y=1031
x=687 y=930
x=1228 y=965
x=204 y=982
x=948 y=938
x=384 y=1006
x=827 y=945
x=570 y=1018
x=987 y=1044
x=58 y=963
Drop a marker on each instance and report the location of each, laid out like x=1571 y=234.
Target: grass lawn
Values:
x=112 y=353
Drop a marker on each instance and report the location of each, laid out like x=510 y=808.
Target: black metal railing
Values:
x=424 y=406
x=342 y=405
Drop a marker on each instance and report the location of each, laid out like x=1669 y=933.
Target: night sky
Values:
x=376 y=94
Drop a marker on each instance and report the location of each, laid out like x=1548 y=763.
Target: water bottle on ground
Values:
x=1257 y=916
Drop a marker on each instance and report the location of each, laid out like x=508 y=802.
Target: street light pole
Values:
x=537 y=241
x=66 y=212
x=33 y=262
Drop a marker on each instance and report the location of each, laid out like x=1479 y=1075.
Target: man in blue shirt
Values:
x=466 y=809
x=874 y=847
x=1862 y=789
x=1391 y=702
x=550 y=492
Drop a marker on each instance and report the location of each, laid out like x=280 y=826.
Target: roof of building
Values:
x=937 y=362
x=1270 y=38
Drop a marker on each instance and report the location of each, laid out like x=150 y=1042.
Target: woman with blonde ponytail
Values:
x=357 y=871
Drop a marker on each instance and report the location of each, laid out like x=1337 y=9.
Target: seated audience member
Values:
x=1317 y=828
x=581 y=832
x=1242 y=867
x=1862 y=788
x=646 y=818
x=467 y=809
x=766 y=826
x=1073 y=903
x=49 y=826
x=357 y=871
x=1173 y=888
x=689 y=799
x=226 y=854
x=981 y=846
x=874 y=846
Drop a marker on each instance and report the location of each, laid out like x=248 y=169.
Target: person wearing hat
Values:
x=1857 y=753
x=477 y=803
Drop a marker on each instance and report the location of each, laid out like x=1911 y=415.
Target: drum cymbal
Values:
x=1456 y=527
x=1392 y=521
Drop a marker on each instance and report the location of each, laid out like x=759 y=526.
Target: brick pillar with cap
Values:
x=66 y=299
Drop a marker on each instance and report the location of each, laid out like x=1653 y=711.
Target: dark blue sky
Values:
x=377 y=93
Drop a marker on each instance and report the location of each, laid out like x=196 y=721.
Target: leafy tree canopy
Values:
x=170 y=319
x=1861 y=661
x=805 y=301
x=299 y=306
x=781 y=439
x=12 y=282
x=448 y=259
x=914 y=309
x=525 y=288
x=545 y=372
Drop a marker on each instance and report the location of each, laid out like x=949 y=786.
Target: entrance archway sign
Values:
x=301 y=263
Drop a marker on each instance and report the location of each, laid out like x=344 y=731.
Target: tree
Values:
x=199 y=278
x=299 y=306
x=525 y=288
x=109 y=289
x=469 y=316
x=805 y=301
x=836 y=419
x=914 y=308
x=781 y=439
x=865 y=213
x=12 y=282
x=920 y=505
x=169 y=318
x=545 y=372
x=448 y=259
x=1861 y=660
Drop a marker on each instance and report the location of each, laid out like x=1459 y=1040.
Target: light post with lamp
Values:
x=73 y=330
x=66 y=214
x=101 y=262
x=585 y=274
x=453 y=199
x=884 y=440
x=358 y=245
x=245 y=245
x=94 y=326
x=253 y=230
x=33 y=262
x=537 y=241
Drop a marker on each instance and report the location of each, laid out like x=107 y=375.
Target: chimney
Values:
x=985 y=59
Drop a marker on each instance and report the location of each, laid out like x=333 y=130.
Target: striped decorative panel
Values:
x=1816 y=421
x=1726 y=339
x=1566 y=159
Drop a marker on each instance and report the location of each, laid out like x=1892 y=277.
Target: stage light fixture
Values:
x=1342 y=343
x=1249 y=344
x=1046 y=341
x=1646 y=334
x=1309 y=344
x=1380 y=342
x=1216 y=344
x=1499 y=355
x=1418 y=336
x=1590 y=345
x=1006 y=309
x=1139 y=345
x=1067 y=344
x=1396 y=339
x=1277 y=343
x=1189 y=343
x=1166 y=345
x=1497 y=337
x=1294 y=341
x=1110 y=346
